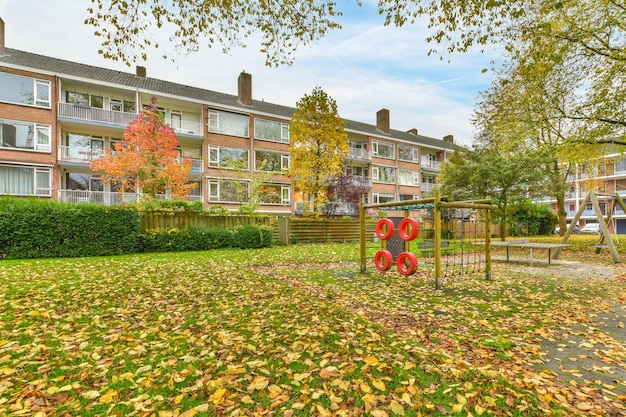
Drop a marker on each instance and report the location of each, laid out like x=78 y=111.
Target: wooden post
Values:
x=362 y=235
x=488 y=245
x=437 y=227
x=605 y=230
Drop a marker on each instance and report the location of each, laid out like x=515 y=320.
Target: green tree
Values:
x=146 y=160
x=319 y=145
x=528 y=106
x=487 y=171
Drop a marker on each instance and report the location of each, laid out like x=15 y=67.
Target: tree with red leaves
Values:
x=146 y=160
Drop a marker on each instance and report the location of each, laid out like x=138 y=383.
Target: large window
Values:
x=85 y=99
x=122 y=105
x=380 y=198
x=85 y=182
x=24 y=135
x=408 y=153
x=406 y=177
x=384 y=174
x=620 y=165
x=228 y=191
x=230 y=158
x=383 y=149
x=270 y=130
x=271 y=161
x=24 y=90
x=274 y=194
x=229 y=123
x=27 y=181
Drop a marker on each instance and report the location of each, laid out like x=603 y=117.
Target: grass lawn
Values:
x=293 y=331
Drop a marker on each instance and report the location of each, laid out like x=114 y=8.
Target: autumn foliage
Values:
x=319 y=144
x=146 y=160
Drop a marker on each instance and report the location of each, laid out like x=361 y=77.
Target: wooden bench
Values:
x=427 y=247
x=524 y=243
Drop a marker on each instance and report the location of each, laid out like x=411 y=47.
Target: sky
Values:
x=364 y=67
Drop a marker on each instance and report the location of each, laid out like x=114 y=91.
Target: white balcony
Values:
x=429 y=164
x=95 y=197
x=358 y=153
x=427 y=187
x=94 y=114
x=76 y=154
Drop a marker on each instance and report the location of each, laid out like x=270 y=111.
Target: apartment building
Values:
x=605 y=176
x=57 y=116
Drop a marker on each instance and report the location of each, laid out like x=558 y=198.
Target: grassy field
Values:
x=293 y=331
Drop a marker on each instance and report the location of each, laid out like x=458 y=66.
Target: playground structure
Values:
x=456 y=252
x=606 y=240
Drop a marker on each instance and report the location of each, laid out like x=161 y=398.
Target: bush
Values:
x=533 y=219
x=252 y=236
x=34 y=228
x=176 y=240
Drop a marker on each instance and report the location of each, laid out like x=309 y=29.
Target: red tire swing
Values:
x=381 y=232
x=409 y=229
x=383 y=259
x=407 y=263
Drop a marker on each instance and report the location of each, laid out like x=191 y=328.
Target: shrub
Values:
x=33 y=228
x=176 y=240
x=252 y=236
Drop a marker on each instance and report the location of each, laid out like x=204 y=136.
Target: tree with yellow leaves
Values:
x=319 y=145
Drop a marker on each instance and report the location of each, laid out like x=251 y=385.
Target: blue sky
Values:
x=365 y=66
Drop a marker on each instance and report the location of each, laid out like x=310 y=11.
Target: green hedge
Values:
x=177 y=240
x=33 y=228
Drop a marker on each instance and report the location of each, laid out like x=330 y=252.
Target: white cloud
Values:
x=364 y=67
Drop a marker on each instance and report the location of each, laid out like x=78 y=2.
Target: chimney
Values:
x=448 y=138
x=382 y=120
x=1 y=35
x=141 y=71
x=412 y=132
x=244 y=89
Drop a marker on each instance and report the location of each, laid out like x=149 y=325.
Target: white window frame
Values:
x=216 y=184
x=214 y=124
x=414 y=153
x=38 y=191
x=284 y=131
x=37 y=128
x=415 y=177
x=379 y=143
x=38 y=85
x=285 y=196
x=376 y=196
x=376 y=174
x=215 y=163
x=285 y=159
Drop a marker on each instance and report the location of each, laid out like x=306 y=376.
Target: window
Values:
x=24 y=90
x=407 y=197
x=271 y=161
x=406 y=177
x=228 y=123
x=24 y=135
x=86 y=182
x=228 y=191
x=270 y=130
x=408 y=153
x=26 y=181
x=176 y=119
x=383 y=198
x=231 y=158
x=277 y=194
x=620 y=165
x=85 y=99
x=383 y=149
x=384 y=174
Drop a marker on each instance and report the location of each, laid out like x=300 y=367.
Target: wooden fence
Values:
x=187 y=220
x=288 y=230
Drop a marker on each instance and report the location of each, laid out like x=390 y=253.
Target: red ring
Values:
x=415 y=229
x=402 y=267
x=380 y=256
x=379 y=229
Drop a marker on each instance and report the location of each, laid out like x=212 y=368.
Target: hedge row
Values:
x=175 y=240
x=32 y=228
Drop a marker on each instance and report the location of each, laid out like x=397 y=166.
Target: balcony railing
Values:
x=109 y=198
x=427 y=187
x=117 y=118
x=357 y=153
x=76 y=154
x=94 y=114
x=428 y=163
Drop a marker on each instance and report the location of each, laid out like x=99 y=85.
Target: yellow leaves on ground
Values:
x=173 y=335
